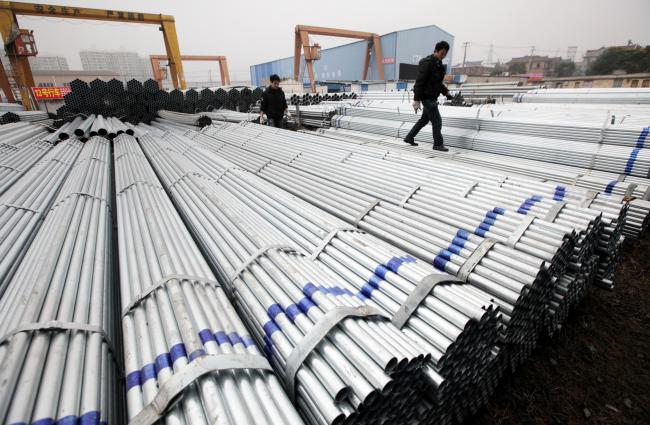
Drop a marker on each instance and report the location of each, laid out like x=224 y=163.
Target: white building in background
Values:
x=48 y=63
x=128 y=65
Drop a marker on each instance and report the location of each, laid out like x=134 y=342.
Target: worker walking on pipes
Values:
x=274 y=103
x=428 y=86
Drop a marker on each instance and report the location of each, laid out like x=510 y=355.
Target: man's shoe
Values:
x=410 y=142
x=440 y=148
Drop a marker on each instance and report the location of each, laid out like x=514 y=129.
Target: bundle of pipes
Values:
x=312 y=156
x=500 y=91
x=354 y=270
x=622 y=127
x=92 y=125
x=58 y=358
x=205 y=118
x=404 y=96
x=192 y=120
x=316 y=98
x=15 y=136
x=24 y=205
x=617 y=159
x=177 y=319
x=226 y=115
x=315 y=115
x=620 y=187
x=312 y=115
x=28 y=116
x=199 y=157
x=26 y=150
x=517 y=190
x=381 y=220
x=6 y=107
x=638 y=218
x=638 y=96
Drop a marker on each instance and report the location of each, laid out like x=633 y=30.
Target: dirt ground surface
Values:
x=596 y=370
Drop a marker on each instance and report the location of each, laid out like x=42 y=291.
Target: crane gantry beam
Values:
x=9 y=29
x=158 y=73
x=302 y=33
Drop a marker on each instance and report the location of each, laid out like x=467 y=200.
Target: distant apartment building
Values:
x=474 y=68
x=127 y=65
x=48 y=63
x=535 y=65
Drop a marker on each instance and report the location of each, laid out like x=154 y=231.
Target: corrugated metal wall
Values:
x=346 y=62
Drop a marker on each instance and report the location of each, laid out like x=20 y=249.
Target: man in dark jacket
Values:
x=428 y=86
x=274 y=103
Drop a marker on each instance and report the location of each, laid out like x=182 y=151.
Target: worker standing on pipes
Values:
x=274 y=103
x=428 y=86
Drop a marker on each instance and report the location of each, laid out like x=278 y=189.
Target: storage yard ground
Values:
x=599 y=361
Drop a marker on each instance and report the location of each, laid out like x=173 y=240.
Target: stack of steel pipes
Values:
x=204 y=118
x=301 y=179
x=413 y=242
x=15 y=136
x=27 y=150
x=92 y=125
x=193 y=120
x=6 y=107
x=306 y=99
x=370 y=274
x=311 y=115
x=519 y=189
x=618 y=159
x=24 y=205
x=638 y=219
x=611 y=187
x=59 y=349
x=623 y=127
x=177 y=319
x=28 y=116
x=638 y=96
x=433 y=203
x=599 y=181
x=267 y=198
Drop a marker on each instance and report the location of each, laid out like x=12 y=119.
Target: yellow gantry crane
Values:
x=10 y=31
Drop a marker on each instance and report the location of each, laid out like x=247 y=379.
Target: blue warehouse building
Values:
x=401 y=50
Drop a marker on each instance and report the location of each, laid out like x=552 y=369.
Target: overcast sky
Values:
x=252 y=31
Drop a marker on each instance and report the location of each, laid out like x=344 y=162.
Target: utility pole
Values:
x=465 y=45
x=530 y=60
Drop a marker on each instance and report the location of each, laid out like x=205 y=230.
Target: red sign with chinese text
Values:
x=50 y=93
x=389 y=60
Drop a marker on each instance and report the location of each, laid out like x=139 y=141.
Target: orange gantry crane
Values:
x=9 y=29
x=312 y=52
x=159 y=71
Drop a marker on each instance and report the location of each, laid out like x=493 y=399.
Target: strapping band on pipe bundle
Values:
x=466 y=191
x=415 y=298
x=257 y=254
x=163 y=282
x=589 y=198
x=554 y=211
x=58 y=325
x=409 y=194
x=316 y=334
x=475 y=258
x=520 y=230
x=17 y=207
x=201 y=366
x=314 y=255
x=365 y=212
